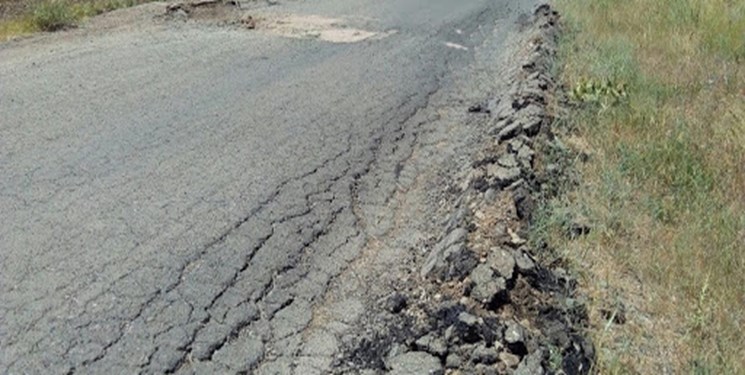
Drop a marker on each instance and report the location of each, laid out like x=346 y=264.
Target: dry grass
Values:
x=664 y=185
x=25 y=17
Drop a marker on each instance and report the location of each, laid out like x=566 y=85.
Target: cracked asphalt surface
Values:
x=186 y=198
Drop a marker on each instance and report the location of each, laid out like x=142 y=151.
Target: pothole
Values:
x=334 y=30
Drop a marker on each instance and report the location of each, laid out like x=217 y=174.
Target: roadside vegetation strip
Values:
x=657 y=129
x=51 y=15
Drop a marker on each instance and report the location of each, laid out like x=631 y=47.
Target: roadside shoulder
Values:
x=489 y=301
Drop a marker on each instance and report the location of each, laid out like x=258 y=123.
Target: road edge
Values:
x=500 y=304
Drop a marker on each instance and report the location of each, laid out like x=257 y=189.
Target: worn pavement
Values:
x=181 y=197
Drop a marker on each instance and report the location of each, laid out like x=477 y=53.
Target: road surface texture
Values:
x=180 y=196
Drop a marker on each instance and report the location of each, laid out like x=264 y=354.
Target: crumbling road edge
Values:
x=496 y=307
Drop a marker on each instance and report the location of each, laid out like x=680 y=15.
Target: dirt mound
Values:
x=299 y=26
x=206 y=10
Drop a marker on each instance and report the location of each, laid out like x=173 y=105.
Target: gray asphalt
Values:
x=182 y=197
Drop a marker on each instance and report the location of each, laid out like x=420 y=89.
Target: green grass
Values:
x=665 y=183
x=53 y=16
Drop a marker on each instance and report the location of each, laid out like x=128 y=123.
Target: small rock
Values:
x=479 y=108
x=538 y=76
x=515 y=239
x=504 y=109
x=499 y=125
x=451 y=245
x=479 y=184
x=533 y=92
x=482 y=354
x=460 y=262
x=524 y=203
x=507 y=161
x=248 y=22
x=453 y=361
x=509 y=359
x=514 y=334
x=509 y=131
x=503 y=262
x=432 y=344
x=524 y=264
x=519 y=184
x=415 y=363
x=176 y=7
x=503 y=176
x=501 y=368
x=532 y=126
x=500 y=229
x=482 y=369
x=468 y=319
x=531 y=365
x=201 y=3
x=482 y=274
x=514 y=145
x=455 y=220
x=396 y=303
x=450 y=334
x=525 y=155
x=490 y=196
x=179 y=13
x=456 y=236
x=396 y=350
x=486 y=285
x=531 y=118
x=493 y=104
x=514 y=337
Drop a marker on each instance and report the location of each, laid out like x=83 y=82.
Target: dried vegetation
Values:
x=657 y=123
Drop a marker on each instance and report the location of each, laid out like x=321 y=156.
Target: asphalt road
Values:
x=182 y=198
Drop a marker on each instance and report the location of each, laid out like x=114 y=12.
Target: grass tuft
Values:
x=53 y=15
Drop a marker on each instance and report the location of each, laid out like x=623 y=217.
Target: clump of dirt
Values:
x=498 y=307
x=227 y=11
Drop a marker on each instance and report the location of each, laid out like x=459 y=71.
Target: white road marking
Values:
x=456 y=46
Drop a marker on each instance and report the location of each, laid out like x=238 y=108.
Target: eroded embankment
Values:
x=497 y=306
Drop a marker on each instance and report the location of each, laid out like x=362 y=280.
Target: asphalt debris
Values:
x=499 y=309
